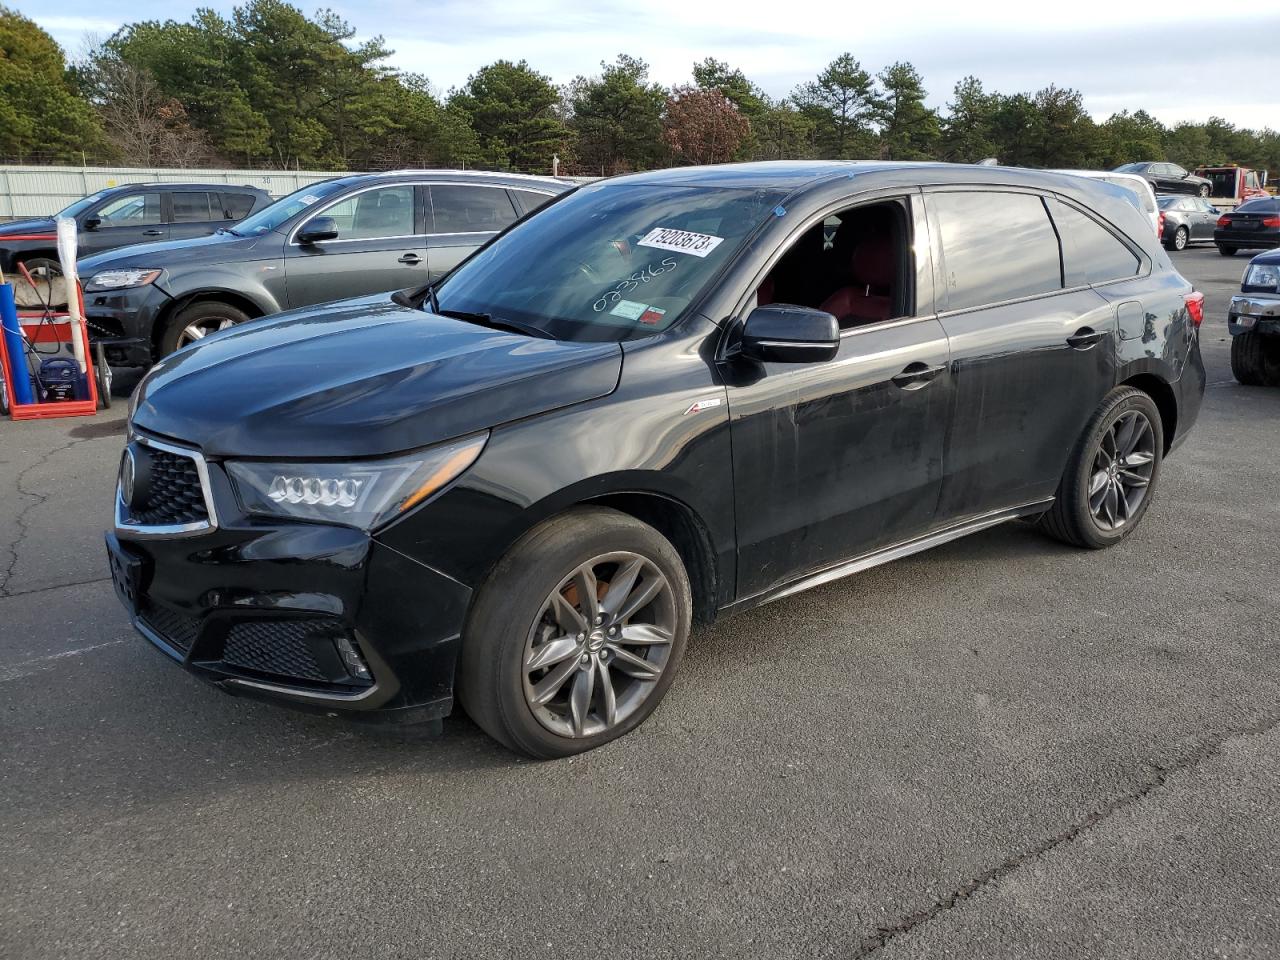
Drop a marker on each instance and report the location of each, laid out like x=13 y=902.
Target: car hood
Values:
x=171 y=254
x=38 y=225
x=362 y=378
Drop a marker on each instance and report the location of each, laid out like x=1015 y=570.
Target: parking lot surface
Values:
x=1000 y=748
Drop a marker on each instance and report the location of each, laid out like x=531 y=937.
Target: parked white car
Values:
x=1144 y=196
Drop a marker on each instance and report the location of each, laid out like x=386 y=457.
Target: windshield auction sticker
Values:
x=629 y=309
x=681 y=241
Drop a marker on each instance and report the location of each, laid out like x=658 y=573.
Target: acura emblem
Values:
x=128 y=474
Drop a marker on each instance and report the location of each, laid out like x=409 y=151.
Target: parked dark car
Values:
x=1185 y=220
x=1169 y=178
x=1253 y=320
x=130 y=214
x=339 y=238
x=1252 y=225
x=665 y=398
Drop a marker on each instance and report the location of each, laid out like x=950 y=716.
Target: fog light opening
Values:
x=351 y=658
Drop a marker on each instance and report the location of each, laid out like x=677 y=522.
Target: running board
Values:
x=889 y=554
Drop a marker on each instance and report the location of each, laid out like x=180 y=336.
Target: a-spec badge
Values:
x=704 y=404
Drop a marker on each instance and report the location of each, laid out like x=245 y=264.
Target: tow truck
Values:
x=1233 y=184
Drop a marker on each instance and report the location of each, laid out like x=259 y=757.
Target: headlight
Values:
x=120 y=279
x=362 y=493
x=1262 y=275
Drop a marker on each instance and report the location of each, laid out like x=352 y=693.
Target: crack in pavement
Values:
x=13 y=594
x=35 y=499
x=1205 y=751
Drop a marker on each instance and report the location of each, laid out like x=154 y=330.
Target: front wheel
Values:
x=197 y=321
x=576 y=635
x=1111 y=473
x=1255 y=360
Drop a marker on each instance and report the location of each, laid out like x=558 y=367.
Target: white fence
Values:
x=42 y=191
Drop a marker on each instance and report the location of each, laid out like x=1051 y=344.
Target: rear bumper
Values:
x=1257 y=313
x=1253 y=239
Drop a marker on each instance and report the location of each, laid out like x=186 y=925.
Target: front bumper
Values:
x=124 y=321
x=1256 y=312
x=265 y=609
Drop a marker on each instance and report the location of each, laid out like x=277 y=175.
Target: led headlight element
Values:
x=120 y=279
x=1262 y=275
x=360 y=493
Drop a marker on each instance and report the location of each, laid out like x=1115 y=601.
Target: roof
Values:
x=165 y=184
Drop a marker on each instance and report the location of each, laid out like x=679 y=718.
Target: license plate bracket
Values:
x=127 y=574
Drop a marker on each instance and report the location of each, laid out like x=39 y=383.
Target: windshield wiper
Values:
x=494 y=323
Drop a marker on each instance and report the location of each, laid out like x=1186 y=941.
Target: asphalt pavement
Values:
x=1000 y=748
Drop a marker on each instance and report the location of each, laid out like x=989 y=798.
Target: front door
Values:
x=122 y=221
x=834 y=459
x=380 y=247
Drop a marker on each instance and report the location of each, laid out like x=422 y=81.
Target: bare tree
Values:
x=146 y=127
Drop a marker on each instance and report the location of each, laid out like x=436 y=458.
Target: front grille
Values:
x=176 y=629
x=281 y=648
x=173 y=493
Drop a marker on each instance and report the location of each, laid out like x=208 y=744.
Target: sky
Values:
x=1175 y=59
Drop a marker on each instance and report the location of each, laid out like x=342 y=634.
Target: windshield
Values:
x=280 y=212
x=612 y=261
x=81 y=205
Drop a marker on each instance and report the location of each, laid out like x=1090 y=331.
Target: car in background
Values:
x=1168 y=178
x=1253 y=320
x=1234 y=182
x=127 y=215
x=1143 y=194
x=366 y=233
x=1253 y=225
x=1185 y=220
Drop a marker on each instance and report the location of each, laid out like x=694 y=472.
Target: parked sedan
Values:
x=1185 y=220
x=130 y=214
x=1253 y=225
x=1169 y=178
x=339 y=238
x=1253 y=320
x=662 y=399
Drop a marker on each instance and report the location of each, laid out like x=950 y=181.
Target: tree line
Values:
x=268 y=86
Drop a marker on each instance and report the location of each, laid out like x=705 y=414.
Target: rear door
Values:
x=464 y=216
x=1031 y=357
x=124 y=219
x=380 y=247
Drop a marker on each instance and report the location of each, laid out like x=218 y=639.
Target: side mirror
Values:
x=92 y=223
x=782 y=333
x=318 y=230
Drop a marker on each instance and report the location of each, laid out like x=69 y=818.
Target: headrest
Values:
x=872 y=263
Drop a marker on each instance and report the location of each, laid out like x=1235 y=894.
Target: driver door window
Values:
x=134 y=210
x=124 y=220
x=374 y=214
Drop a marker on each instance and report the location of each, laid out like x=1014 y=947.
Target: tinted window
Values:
x=384 y=212
x=995 y=247
x=131 y=210
x=1131 y=168
x=460 y=209
x=1093 y=253
x=1265 y=205
x=1168 y=203
x=531 y=200
x=236 y=206
x=192 y=207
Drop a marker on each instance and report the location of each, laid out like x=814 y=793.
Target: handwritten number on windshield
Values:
x=627 y=284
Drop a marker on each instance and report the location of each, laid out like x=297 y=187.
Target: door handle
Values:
x=1084 y=338
x=410 y=259
x=153 y=233
x=917 y=375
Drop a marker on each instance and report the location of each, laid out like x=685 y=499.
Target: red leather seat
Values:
x=868 y=298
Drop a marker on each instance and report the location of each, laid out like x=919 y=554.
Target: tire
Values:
x=1078 y=516
x=1227 y=251
x=512 y=612
x=1204 y=190
x=1181 y=237
x=207 y=315
x=1255 y=360
x=102 y=375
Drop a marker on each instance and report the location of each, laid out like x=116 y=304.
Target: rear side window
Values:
x=463 y=209
x=1091 y=252
x=531 y=200
x=192 y=208
x=236 y=206
x=995 y=247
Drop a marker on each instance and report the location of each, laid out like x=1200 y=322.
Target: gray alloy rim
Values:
x=1179 y=239
x=199 y=329
x=599 y=645
x=1122 y=469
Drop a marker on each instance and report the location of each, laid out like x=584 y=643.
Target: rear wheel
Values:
x=576 y=635
x=1111 y=474
x=196 y=322
x=1180 y=238
x=1227 y=250
x=103 y=376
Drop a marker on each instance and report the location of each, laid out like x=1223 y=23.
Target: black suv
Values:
x=130 y=214
x=365 y=233
x=664 y=398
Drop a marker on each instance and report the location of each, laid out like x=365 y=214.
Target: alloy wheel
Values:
x=1122 y=469
x=599 y=645
x=1180 y=239
x=199 y=329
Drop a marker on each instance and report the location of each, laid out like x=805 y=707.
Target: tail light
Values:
x=1195 y=307
x=1160 y=225
x=1224 y=221
x=1271 y=222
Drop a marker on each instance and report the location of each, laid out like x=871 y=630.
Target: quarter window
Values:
x=131 y=210
x=530 y=199
x=1093 y=253
x=460 y=209
x=192 y=208
x=995 y=247
x=237 y=205
x=374 y=214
